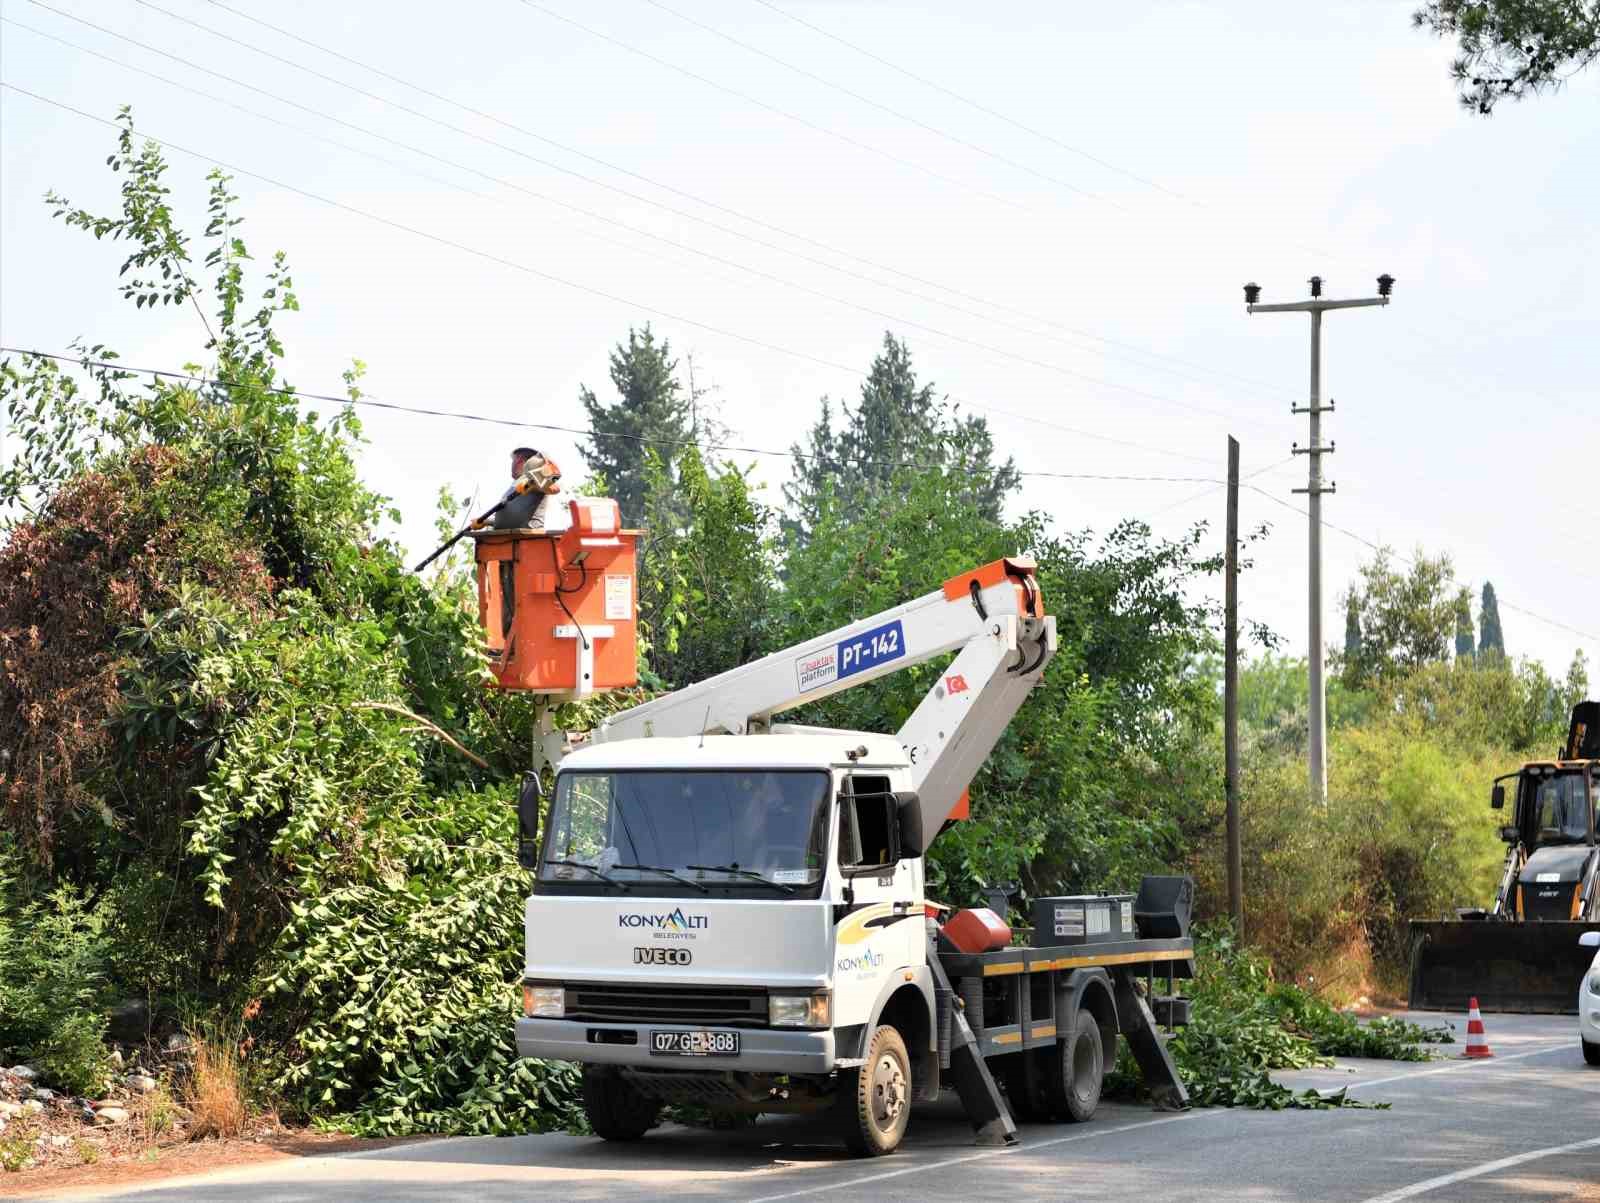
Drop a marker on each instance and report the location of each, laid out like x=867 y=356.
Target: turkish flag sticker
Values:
x=956 y=683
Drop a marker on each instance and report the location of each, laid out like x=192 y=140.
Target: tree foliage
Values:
x=1406 y=616
x=898 y=425
x=1491 y=640
x=1513 y=49
x=651 y=414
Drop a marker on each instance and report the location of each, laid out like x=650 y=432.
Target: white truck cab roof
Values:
x=801 y=750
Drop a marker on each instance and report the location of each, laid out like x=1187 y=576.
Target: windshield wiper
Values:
x=578 y=864
x=666 y=873
x=750 y=873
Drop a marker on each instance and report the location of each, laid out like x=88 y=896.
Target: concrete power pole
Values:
x=1317 y=724
x=1230 y=695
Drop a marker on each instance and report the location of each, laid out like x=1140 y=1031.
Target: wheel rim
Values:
x=1084 y=1068
x=888 y=1100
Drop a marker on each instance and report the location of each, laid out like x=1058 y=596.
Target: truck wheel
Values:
x=874 y=1101
x=1077 y=1071
x=615 y=1111
x=1591 y=1052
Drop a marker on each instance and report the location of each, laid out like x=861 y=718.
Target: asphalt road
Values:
x=1524 y=1126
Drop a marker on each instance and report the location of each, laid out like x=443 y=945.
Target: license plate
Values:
x=695 y=1044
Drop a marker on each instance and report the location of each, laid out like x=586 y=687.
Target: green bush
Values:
x=1244 y=1025
x=53 y=989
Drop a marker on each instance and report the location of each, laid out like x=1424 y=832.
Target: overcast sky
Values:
x=1067 y=263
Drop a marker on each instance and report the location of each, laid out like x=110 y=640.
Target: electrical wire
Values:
x=588 y=432
x=461 y=131
x=586 y=288
x=896 y=319
x=1078 y=332
x=908 y=118
x=826 y=131
x=1405 y=559
x=973 y=104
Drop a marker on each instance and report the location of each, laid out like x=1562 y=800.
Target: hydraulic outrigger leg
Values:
x=980 y=1094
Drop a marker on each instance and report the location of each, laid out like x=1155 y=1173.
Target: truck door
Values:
x=880 y=927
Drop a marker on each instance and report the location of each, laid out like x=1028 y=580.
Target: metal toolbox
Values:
x=1083 y=919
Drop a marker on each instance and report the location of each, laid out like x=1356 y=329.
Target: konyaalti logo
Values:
x=859 y=963
x=669 y=925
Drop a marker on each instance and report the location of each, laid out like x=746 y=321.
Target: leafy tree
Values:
x=1491 y=641
x=1407 y=618
x=651 y=413
x=706 y=604
x=1465 y=651
x=1513 y=49
x=899 y=423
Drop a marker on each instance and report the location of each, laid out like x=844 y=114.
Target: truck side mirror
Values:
x=1508 y=833
x=528 y=821
x=909 y=808
x=1497 y=798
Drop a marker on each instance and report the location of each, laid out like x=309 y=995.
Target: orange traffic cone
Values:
x=1477 y=1046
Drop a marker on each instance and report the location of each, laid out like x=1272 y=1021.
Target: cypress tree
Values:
x=1465 y=652
x=1491 y=641
x=1352 y=631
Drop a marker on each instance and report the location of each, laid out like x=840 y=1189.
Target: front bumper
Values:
x=761 y=1050
x=1589 y=1009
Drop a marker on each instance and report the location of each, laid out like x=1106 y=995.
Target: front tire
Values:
x=615 y=1111
x=1591 y=1052
x=1077 y=1072
x=873 y=1105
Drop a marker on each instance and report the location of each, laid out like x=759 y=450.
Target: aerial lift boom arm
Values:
x=993 y=619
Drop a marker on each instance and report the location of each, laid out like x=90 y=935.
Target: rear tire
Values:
x=615 y=1110
x=1076 y=1072
x=1591 y=1052
x=873 y=1105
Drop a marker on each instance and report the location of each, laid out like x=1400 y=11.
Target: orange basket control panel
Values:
x=560 y=608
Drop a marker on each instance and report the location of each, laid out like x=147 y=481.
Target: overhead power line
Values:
x=908 y=118
x=580 y=287
x=186 y=377
x=796 y=118
x=1405 y=559
x=883 y=315
x=974 y=104
x=1051 y=323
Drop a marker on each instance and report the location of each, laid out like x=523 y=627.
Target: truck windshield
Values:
x=1560 y=813
x=719 y=827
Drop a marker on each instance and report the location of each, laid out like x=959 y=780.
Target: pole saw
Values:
x=539 y=479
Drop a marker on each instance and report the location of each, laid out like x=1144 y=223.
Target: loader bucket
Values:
x=1506 y=966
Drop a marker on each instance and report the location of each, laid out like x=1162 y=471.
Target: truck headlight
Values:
x=800 y=1010
x=1594 y=982
x=543 y=1002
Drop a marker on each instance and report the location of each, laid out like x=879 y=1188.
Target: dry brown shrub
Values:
x=215 y=1094
x=109 y=547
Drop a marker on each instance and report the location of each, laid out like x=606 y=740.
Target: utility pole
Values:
x=1317 y=723
x=1230 y=695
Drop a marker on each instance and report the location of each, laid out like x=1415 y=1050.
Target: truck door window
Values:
x=866 y=824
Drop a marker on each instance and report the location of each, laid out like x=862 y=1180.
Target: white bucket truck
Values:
x=729 y=911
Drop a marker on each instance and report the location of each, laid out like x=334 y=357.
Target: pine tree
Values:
x=651 y=413
x=898 y=426
x=1465 y=653
x=1491 y=641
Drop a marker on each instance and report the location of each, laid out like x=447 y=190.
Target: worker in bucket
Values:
x=533 y=478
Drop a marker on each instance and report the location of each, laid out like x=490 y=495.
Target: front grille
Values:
x=721 y=1006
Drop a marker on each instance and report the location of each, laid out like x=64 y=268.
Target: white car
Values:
x=1589 y=1001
